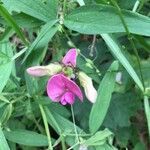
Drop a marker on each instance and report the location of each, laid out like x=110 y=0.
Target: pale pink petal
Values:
x=37 y=71
x=87 y=84
x=68 y=97
x=55 y=87
x=72 y=87
x=70 y=57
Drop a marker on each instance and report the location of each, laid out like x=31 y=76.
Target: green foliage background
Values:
x=113 y=39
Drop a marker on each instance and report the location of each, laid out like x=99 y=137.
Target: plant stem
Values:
x=64 y=7
x=46 y=127
x=75 y=129
x=136 y=5
x=130 y=40
x=19 y=54
x=147 y=112
x=73 y=146
x=92 y=46
x=63 y=143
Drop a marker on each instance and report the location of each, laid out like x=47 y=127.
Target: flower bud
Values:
x=89 y=89
x=48 y=70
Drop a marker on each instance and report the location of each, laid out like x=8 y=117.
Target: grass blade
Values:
x=12 y=23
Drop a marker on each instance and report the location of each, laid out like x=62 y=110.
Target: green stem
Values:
x=146 y=101
x=64 y=7
x=130 y=40
x=46 y=127
x=73 y=146
x=75 y=129
x=136 y=5
x=147 y=112
x=19 y=54
x=63 y=143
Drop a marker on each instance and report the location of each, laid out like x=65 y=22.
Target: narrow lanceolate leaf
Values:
x=26 y=137
x=3 y=142
x=98 y=19
x=105 y=90
x=4 y=13
x=5 y=63
x=35 y=8
x=115 y=49
x=46 y=33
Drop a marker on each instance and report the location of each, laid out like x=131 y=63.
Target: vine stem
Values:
x=147 y=112
x=130 y=40
x=146 y=101
x=92 y=46
x=75 y=129
x=46 y=127
x=136 y=5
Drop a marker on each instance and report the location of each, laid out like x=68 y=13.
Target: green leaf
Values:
x=51 y=119
x=5 y=63
x=66 y=125
x=100 y=108
x=99 y=138
x=12 y=23
x=35 y=8
x=46 y=33
x=3 y=142
x=98 y=19
x=25 y=137
x=115 y=49
x=121 y=108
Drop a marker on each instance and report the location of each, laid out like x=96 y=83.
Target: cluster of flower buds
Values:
x=61 y=86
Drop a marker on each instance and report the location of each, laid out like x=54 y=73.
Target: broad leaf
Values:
x=98 y=19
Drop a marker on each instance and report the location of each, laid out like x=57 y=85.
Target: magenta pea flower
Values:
x=60 y=87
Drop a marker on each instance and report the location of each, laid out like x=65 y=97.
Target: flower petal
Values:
x=59 y=84
x=49 y=70
x=72 y=87
x=68 y=97
x=55 y=87
x=87 y=84
x=37 y=71
x=70 y=57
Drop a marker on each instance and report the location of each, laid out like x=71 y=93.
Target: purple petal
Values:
x=72 y=87
x=59 y=84
x=55 y=87
x=68 y=97
x=70 y=57
x=37 y=71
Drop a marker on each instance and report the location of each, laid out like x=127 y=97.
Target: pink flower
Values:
x=70 y=58
x=62 y=89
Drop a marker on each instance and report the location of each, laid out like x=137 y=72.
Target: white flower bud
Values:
x=49 y=70
x=89 y=89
